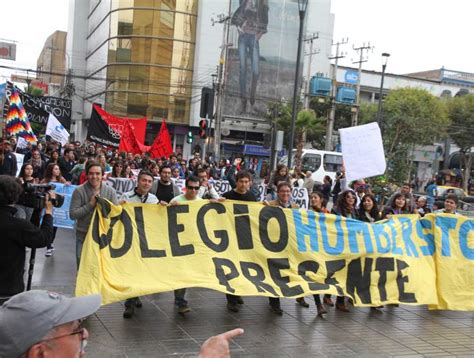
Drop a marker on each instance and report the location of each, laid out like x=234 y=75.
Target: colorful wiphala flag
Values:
x=17 y=122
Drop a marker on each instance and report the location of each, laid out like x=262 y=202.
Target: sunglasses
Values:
x=192 y=187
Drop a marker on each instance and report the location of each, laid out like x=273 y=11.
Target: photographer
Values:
x=17 y=235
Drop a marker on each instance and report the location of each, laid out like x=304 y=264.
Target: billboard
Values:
x=261 y=57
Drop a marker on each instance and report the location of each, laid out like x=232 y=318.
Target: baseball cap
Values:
x=26 y=318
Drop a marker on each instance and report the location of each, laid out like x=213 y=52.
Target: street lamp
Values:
x=302 y=5
x=385 y=57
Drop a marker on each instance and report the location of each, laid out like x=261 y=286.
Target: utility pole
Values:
x=332 y=113
x=221 y=19
x=365 y=47
x=310 y=39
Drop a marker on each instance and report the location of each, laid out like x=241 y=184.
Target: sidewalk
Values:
x=157 y=330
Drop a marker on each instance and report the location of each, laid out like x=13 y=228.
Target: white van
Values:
x=320 y=162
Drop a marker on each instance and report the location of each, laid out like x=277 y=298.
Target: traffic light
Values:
x=207 y=103
x=203 y=128
x=189 y=138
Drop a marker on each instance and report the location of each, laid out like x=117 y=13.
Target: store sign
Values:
x=7 y=51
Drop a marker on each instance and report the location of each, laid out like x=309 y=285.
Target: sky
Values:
x=418 y=34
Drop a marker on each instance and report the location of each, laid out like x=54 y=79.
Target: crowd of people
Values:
x=88 y=165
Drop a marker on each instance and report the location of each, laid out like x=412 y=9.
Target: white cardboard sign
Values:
x=362 y=150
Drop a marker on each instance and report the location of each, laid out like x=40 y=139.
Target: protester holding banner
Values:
x=164 y=189
x=368 y=210
x=241 y=193
x=141 y=194
x=192 y=188
x=283 y=201
x=318 y=204
x=345 y=206
x=84 y=200
x=409 y=198
x=450 y=205
x=397 y=206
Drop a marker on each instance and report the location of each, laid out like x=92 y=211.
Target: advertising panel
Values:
x=261 y=59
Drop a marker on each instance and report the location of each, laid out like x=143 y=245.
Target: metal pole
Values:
x=332 y=114
x=356 y=113
x=308 y=74
x=295 y=91
x=379 y=110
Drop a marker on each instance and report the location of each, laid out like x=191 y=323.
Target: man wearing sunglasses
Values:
x=191 y=194
x=42 y=324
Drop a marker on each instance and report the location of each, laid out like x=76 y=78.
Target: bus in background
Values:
x=319 y=162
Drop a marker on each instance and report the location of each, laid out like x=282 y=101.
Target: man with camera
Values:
x=17 y=234
x=84 y=200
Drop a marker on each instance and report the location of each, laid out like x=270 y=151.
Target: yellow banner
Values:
x=253 y=250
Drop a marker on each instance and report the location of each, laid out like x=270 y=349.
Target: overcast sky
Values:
x=419 y=34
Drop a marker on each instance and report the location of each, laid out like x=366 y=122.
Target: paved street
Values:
x=158 y=331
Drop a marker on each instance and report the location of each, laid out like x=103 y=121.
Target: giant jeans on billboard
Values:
x=261 y=61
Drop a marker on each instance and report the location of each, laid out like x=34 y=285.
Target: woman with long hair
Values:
x=53 y=158
x=345 y=206
x=317 y=204
x=25 y=177
x=38 y=164
x=326 y=188
x=281 y=174
x=399 y=205
x=52 y=175
x=127 y=171
x=116 y=170
x=368 y=210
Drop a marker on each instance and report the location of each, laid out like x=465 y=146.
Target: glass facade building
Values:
x=145 y=51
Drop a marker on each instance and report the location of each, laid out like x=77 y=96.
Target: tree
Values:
x=307 y=126
x=411 y=117
x=461 y=131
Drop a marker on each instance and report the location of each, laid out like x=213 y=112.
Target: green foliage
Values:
x=461 y=113
x=34 y=91
x=461 y=130
x=368 y=113
x=411 y=117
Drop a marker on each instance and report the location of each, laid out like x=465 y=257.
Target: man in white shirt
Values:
x=206 y=189
x=141 y=194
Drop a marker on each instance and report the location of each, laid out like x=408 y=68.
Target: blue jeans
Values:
x=248 y=44
x=79 y=245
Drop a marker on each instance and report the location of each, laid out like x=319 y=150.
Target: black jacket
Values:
x=16 y=235
x=66 y=167
x=8 y=166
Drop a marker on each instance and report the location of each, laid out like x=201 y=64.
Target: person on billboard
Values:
x=251 y=20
